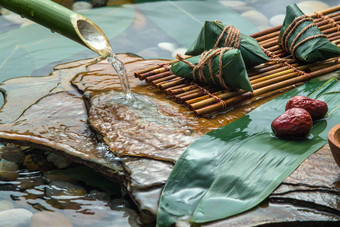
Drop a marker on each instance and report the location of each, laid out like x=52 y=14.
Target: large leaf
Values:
x=182 y=20
x=232 y=169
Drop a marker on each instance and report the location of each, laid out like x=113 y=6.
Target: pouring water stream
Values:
x=96 y=40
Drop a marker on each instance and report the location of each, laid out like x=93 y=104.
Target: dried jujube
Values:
x=316 y=108
x=295 y=122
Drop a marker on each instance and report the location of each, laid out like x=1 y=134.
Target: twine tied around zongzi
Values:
x=207 y=58
x=233 y=38
x=291 y=29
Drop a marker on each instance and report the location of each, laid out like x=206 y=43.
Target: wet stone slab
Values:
x=138 y=146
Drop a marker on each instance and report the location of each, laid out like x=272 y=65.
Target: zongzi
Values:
x=214 y=34
x=303 y=39
x=223 y=67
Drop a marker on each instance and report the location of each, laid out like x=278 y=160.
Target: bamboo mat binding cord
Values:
x=280 y=73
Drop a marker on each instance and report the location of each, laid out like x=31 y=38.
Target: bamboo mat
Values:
x=282 y=72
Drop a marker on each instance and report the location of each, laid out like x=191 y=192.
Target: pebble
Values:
x=5 y=205
x=309 y=7
x=180 y=51
x=233 y=4
x=81 y=6
x=277 y=20
x=256 y=18
x=30 y=182
x=98 y=3
x=15 y=217
x=51 y=219
x=61 y=190
x=8 y=170
x=238 y=6
x=167 y=46
x=58 y=160
x=94 y=194
x=148 y=53
x=12 y=153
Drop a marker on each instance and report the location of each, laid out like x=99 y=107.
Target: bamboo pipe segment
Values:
x=62 y=20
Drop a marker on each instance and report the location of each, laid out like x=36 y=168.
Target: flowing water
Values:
x=121 y=70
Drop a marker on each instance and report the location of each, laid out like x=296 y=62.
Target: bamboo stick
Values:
x=194 y=93
x=179 y=95
x=168 y=90
x=153 y=70
x=327 y=11
x=163 y=79
x=158 y=76
x=267 y=31
x=62 y=20
x=189 y=96
x=189 y=102
x=212 y=100
x=170 y=83
x=181 y=90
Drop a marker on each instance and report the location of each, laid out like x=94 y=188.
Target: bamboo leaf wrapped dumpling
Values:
x=223 y=67
x=209 y=36
x=303 y=39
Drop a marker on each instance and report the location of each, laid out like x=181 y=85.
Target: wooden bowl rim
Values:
x=331 y=137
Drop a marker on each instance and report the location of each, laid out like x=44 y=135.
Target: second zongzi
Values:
x=303 y=39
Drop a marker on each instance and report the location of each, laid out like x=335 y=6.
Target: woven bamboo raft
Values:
x=282 y=72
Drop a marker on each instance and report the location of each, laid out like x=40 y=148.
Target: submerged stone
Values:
x=51 y=219
x=8 y=170
x=15 y=217
x=5 y=205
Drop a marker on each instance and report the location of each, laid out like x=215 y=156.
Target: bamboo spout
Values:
x=62 y=20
